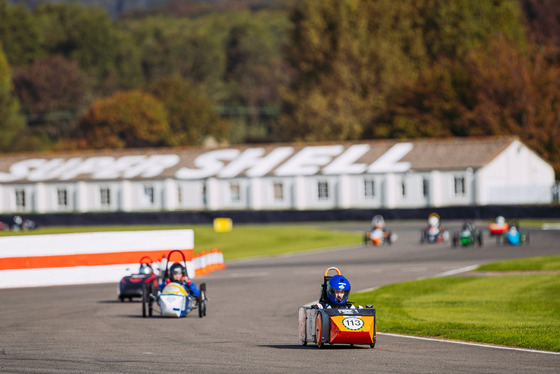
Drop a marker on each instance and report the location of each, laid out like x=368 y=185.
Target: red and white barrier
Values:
x=208 y=261
x=99 y=257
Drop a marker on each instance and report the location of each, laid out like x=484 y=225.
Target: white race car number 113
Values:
x=353 y=323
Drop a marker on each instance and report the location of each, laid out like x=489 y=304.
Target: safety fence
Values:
x=98 y=257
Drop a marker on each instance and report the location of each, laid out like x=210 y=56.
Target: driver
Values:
x=178 y=274
x=338 y=290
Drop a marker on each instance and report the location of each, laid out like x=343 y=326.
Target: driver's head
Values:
x=176 y=272
x=145 y=269
x=338 y=290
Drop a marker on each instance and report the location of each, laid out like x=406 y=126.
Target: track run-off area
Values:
x=252 y=318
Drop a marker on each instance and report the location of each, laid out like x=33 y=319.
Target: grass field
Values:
x=521 y=310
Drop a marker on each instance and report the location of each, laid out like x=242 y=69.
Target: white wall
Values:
x=517 y=175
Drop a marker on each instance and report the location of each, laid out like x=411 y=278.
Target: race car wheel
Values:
x=202 y=301
x=144 y=299
x=319 y=331
x=149 y=290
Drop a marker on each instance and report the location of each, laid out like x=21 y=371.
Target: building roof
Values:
x=286 y=159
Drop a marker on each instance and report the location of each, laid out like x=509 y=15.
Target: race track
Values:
x=251 y=324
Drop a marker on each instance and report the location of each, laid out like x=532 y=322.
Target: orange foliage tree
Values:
x=128 y=119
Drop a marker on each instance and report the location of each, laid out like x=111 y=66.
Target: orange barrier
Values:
x=208 y=261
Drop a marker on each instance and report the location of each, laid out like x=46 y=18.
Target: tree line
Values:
x=189 y=73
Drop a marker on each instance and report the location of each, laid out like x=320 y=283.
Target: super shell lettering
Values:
x=353 y=323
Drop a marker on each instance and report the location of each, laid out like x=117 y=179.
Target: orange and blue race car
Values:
x=339 y=322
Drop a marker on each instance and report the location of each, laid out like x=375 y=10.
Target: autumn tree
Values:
x=352 y=58
x=54 y=84
x=517 y=93
x=131 y=119
x=191 y=116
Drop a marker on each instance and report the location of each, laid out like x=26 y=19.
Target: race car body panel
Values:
x=131 y=286
x=174 y=301
x=337 y=326
x=498 y=228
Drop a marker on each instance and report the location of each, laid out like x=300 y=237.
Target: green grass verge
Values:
x=550 y=263
x=243 y=241
x=510 y=310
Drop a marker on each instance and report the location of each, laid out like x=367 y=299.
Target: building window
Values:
x=62 y=197
x=369 y=188
x=425 y=187
x=105 y=196
x=149 y=193
x=235 y=192
x=20 y=199
x=322 y=190
x=204 y=194
x=278 y=189
x=403 y=188
x=459 y=186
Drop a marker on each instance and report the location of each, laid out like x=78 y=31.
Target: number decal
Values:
x=353 y=323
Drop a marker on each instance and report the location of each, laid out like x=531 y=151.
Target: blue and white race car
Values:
x=173 y=299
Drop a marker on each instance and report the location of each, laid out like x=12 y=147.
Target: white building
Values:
x=364 y=175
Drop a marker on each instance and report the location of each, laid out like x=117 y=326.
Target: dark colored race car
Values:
x=468 y=235
x=132 y=286
x=434 y=232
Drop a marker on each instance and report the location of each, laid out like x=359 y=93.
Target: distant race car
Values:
x=21 y=224
x=434 y=232
x=173 y=300
x=514 y=236
x=378 y=234
x=132 y=286
x=336 y=325
x=498 y=227
x=468 y=235
x=4 y=226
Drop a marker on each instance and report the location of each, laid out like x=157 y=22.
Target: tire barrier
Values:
x=82 y=258
x=208 y=261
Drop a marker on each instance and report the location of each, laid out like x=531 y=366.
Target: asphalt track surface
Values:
x=251 y=326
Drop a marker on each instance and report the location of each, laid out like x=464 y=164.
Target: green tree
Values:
x=12 y=123
x=131 y=119
x=86 y=35
x=346 y=56
x=189 y=49
x=191 y=116
x=19 y=34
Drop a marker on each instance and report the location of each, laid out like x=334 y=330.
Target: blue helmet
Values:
x=338 y=290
